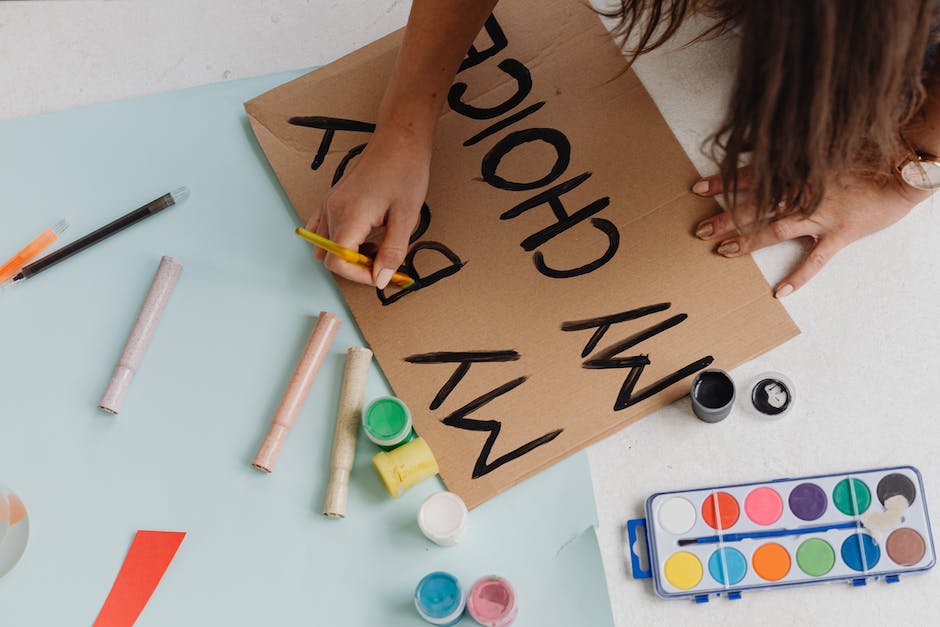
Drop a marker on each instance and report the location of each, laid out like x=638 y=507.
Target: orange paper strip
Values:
x=148 y=558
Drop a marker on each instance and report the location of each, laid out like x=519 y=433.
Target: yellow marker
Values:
x=20 y=259
x=401 y=280
x=405 y=466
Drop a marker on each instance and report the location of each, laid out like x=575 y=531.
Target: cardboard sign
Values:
x=561 y=293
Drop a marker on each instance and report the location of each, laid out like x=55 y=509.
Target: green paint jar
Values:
x=387 y=422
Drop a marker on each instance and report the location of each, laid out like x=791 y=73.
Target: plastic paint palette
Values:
x=723 y=540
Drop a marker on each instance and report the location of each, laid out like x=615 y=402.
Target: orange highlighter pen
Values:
x=20 y=259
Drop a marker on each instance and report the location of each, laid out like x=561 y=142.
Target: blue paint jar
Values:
x=439 y=599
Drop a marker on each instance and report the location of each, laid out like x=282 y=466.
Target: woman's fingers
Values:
x=712 y=185
x=348 y=234
x=398 y=226
x=323 y=230
x=788 y=227
x=715 y=226
x=350 y=228
x=825 y=249
x=318 y=226
x=722 y=224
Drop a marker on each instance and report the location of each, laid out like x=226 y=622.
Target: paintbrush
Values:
x=401 y=280
x=771 y=533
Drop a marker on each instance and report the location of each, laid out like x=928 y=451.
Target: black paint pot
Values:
x=712 y=395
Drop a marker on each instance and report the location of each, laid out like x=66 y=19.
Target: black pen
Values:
x=135 y=216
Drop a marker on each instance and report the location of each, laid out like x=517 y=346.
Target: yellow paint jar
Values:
x=405 y=466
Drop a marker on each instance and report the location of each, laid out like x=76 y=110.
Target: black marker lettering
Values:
x=602 y=323
x=523 y=86
x=507 y=121
x=563 y=222
x=608 y=353
x=608 y=357
x=465 y=360
x=344 y=162
x=626 y=397
x=613 y=243
x=476 y=57
x=511 y=141
x=551 y=197
x=421 y=282
x=424 y=221
x=459 y=420
x=330 y=125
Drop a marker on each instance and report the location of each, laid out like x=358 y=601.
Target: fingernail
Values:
x=705 y=229
x=784 y=290
x=384 y=277
x=701 y=187
x=729 y=248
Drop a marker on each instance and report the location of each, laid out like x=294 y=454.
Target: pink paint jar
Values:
x=492 y=602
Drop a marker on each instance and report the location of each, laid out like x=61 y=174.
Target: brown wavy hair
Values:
x=823 y=89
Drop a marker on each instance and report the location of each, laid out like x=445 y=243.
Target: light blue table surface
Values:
x=257 y=552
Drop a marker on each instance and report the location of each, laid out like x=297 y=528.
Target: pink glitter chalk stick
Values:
x=168 y=272
x=297 y=389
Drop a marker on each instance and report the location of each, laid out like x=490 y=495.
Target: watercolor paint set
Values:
x=720 y=541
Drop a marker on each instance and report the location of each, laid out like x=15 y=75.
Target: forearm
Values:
x=437 y=37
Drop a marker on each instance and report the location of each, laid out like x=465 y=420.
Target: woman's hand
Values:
x=851 y=210
x=387 y=183
x=384 y=186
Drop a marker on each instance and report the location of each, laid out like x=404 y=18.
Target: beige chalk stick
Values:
x=348 y=416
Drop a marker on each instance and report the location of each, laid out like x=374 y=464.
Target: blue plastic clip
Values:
x=892 y=578
x=701 y=598
x=858 y=583
x=734 y=595
x=638 y=571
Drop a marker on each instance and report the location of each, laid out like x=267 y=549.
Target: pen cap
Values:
x=270 y=448
x=405 y=466
x=113 y=396
x=337 y=494
x=161 y=287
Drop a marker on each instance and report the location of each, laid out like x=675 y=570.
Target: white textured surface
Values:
x=58 y=54
x=866 y=367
